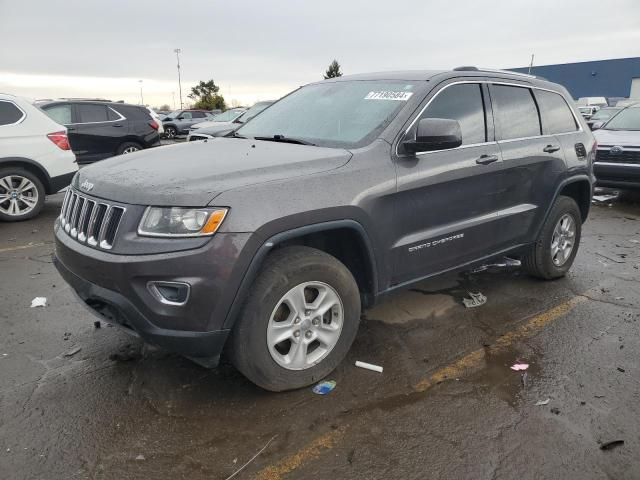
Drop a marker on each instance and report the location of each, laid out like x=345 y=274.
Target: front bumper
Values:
x=114 y=287
x=617 y=175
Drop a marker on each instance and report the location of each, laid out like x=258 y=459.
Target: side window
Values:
x=9 y=113
x=88 y=113
x=463 y=103
x=198 y=115
x=59 y=113
x=186 y=116
x=555 y=113
x=515 y=112
x=111 y=115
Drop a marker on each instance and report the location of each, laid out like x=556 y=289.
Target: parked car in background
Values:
x=267 y=244
x=102 y=129
x=601 y=116
x=617 y=162
x=156 y=116
x=229 y=115
x=627 y=102
x=204 y=130
x=35 y=158
x=179 y=122
x=588 y=112
x=592 y=101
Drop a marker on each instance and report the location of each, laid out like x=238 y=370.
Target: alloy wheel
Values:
x=130 y=150
x=18 y=195
x=563 y=240
x=305 y=325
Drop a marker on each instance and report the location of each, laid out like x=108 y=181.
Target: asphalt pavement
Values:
x=80 y=402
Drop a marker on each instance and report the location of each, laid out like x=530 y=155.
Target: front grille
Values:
x=193 y=138
x=90 y=221
x=625 y=156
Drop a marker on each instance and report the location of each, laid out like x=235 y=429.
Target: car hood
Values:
x=193 y=174
x=617 y=137
x=210 y=123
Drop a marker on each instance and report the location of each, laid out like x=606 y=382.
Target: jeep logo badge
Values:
x=86 y=185
x=617 y=150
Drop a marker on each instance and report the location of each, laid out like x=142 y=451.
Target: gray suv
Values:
x=268 y=243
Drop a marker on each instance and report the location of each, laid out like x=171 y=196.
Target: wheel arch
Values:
x=345 y=239
x=31 y=166
x=581 y=190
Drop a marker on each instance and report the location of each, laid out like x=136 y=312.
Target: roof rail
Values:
x=492 y=70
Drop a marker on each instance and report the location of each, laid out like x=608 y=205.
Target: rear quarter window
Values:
x=515 y=112
x=556 y=114
x=90 y=113
x=9 y=113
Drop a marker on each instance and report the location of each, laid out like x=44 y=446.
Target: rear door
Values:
x=98 y=131
x=532 y=162
x=447 y=200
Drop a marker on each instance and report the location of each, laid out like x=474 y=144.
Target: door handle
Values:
x=116 y=125
x=551 y=148
x=486 y=159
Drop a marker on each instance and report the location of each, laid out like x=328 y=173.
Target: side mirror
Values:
x=180 y=117
x=435 y=134
x=596 y=125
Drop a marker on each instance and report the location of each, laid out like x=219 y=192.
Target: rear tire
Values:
x=22 y=194
x=551 y=256
x=314 y=343
x=128 y=147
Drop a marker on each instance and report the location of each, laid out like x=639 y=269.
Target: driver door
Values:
x=447 y=201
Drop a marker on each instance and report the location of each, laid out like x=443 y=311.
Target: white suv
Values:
x=35 y=158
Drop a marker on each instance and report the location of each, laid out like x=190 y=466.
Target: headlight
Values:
x=181 y=222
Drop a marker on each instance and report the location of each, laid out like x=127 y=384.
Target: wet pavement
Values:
x=446 y=406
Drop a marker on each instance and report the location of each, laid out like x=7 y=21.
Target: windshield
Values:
x=627 y=119
x=605 y=113
x=335 y=114
x=585 y=109
x=228 y=116
x=252 y=112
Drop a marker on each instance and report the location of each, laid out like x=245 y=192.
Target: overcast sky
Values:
x=261 y=49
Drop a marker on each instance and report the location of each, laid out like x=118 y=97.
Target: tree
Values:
x=206 y=96
x=164 y=108
x=333 y=71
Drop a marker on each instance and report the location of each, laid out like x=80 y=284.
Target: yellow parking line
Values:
x=21 y=247
x=464 y=365
x=310 y=452
x=475 y=359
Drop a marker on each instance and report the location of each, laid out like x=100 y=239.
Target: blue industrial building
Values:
x=619 y=77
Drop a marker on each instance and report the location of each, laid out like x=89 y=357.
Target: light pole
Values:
x=177 y=52
x=173 y=95
x=141 y=97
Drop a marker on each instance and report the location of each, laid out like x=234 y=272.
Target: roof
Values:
x=410 y=75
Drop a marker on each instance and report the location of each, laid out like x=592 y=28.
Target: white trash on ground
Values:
x=39 y=302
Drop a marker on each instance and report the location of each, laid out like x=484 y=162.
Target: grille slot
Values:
x=89 y=221
x=626 y=156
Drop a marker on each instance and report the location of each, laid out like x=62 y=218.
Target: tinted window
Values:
x=9 y=113
x=464 y=104
x=198 y=114
x=186 y=116
x=59 y=113
x=91 y=113
x=515 y=112
x=556 y=115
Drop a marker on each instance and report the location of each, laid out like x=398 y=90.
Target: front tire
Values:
x=298 y=321
x=22 y=194
x=128 y=147
x=555 y=249
x=170 y=132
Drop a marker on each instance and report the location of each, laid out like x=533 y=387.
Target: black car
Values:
x=102 y=129
x=266 y=244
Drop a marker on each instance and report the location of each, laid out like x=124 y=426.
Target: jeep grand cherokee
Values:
x=268 y=243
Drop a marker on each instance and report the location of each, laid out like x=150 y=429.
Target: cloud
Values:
x=257 y=50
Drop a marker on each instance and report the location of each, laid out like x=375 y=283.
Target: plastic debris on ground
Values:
x=505 y=263
x=72 y=352
x=140 y=457
x=604 y=198
x=39 y=302
x=519 y=366
x=540 y=403
x=324 y=387
x=476 y=300
x=369 y=366
x=611 y=444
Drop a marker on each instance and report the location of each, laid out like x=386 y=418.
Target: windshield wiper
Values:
x=234 y=134
x=283 y=139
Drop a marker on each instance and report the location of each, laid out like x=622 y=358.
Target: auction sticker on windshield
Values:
x=401 y=96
